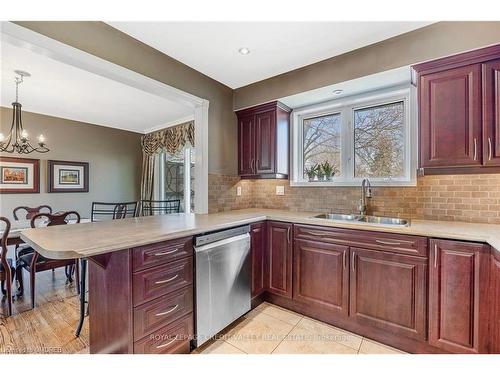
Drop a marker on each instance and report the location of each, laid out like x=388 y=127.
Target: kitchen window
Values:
x=339 y=143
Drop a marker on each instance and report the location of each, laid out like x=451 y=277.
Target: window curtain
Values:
x=170 y=140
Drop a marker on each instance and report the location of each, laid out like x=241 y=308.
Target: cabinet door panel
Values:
x=265 y=141
x=450 y=118
x=491 y=112
x=321 y=275
x=454 y=296
x=258 y=240
x=246 y=145
x=280 y=258
x=388 y=291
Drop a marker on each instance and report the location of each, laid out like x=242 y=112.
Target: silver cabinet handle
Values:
x=167 y=343
x=315 y=233
x=344 y=258
x=475 y=148
x=354 y=261
x=435 y=255
x=489 y=148
x=167 y=280
x=288 y=234
x=252 y=165
x=388 y=242
x=168 y=311
x=167 y=252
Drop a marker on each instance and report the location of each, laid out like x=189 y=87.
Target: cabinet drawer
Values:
x=162 y=252
x=158 y=281
x=173 y=339
x=394 y=243
x=164 y=310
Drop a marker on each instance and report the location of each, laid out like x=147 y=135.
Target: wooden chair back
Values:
x=56 y=219
x=31 y=211
x=5 y=235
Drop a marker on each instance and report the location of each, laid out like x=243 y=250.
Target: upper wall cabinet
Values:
x=459 y=118
x=263 y=141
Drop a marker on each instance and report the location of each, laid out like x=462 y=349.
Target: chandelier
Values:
x=17 y=140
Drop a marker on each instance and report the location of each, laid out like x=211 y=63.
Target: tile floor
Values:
x=269 y=329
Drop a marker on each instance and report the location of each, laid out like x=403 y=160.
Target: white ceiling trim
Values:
x=170 y=124
x=40 y=44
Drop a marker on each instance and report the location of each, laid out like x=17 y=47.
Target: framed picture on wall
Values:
x=19 y=175
x=67 y=176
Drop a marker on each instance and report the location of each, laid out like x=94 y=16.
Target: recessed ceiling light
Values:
x=337 y=92
x=244 y=51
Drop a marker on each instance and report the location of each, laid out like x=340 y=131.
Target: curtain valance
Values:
x=171 y=139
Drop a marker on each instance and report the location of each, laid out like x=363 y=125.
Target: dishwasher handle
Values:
x=210 y=246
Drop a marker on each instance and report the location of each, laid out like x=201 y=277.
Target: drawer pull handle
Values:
x=388 y=242
x=167 y=252
x=489 y=148
x=315 y=233
x=435 y=255
x=475 y=148
x=344 y=258
x=167 y=343
x=168 y=311
x=354 y=261
x=167 y=280
x=288 y=230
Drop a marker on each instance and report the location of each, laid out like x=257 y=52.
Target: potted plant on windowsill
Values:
x=328 y=171
x=312 y=172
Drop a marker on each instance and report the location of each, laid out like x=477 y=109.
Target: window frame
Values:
x=346 y=107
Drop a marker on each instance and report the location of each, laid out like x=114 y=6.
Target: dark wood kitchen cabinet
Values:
x=258 y=247
x=279 y=258
x=263 y=141
x=321 y=275
x=388 y=291
x=458 y=104
x=246 y=145
x=458 y=296
x=491 y=112
x=450 y=117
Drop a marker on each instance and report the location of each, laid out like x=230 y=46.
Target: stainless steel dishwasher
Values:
x=223 y=284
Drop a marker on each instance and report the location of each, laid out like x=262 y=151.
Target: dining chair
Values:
x=116 y=210
x=29 y=212
x=34 y=262
x=160 y=207
x=101 y=211
x=7 y=270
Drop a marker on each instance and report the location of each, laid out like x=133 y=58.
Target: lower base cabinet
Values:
x=279 y=258
x=388 y=291
x=321 y=275
x=458 y=296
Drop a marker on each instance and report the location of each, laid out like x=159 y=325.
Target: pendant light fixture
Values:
x=18 y=139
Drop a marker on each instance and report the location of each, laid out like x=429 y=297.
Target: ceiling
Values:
x=63 y=90
x=389 y=78
x=275 y=47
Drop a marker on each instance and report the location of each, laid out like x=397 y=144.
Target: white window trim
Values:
x=346 y=107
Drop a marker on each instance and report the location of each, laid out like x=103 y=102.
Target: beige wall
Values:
x=114 y=157
x=437 y=40
x=102 y=40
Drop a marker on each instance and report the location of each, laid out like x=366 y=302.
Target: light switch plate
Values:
x=280 y=190
x=238 y=191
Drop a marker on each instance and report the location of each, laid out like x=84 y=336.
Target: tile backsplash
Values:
x=470 y=198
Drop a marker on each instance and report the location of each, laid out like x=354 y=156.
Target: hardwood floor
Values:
x=49 y=327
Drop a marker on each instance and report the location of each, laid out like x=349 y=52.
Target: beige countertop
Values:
x=87 y=239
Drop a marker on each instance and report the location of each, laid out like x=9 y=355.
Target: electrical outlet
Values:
x=280 y=190
x=238 y=191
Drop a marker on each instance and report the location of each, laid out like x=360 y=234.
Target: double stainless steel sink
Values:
x=353 y=218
